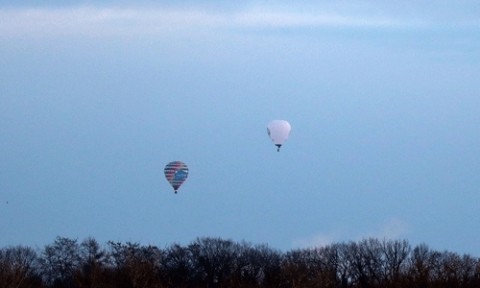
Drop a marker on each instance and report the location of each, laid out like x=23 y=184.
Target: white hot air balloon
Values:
x=278 y=130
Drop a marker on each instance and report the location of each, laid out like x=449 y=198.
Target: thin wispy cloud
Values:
x=318 y=240
x=261 y=17
x=391 y=229
x=394 y=228
x=94 y=21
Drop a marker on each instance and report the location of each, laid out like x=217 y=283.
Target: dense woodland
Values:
x=215 y=262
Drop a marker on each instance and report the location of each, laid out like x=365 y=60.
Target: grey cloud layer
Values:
x=93 y=20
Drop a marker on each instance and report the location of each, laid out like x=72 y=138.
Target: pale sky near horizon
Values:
x=383 y=99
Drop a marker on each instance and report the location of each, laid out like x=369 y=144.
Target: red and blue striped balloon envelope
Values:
x=176 y=173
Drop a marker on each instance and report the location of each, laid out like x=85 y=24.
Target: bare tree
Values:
x=423 y=268
x=135 y=265
x=18 y=268
x=214 y=259
x=93 y=261
x=270 y=264
x=178 y=266
x=253 y=265
x=395 y=262
x=59 y=262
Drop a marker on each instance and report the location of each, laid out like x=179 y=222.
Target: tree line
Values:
x=215 y=262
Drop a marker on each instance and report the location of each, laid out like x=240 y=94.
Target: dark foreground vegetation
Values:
x=214 y=262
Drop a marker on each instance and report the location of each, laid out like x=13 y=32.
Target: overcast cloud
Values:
x=104 y=20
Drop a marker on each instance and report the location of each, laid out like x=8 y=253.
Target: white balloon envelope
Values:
x=278 y=130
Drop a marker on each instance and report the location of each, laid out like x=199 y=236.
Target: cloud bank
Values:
x=104 y=21
x=391 y=229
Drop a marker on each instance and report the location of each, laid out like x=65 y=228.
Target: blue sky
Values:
x=383 y=99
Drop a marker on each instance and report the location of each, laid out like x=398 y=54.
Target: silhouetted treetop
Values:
x=216 y=262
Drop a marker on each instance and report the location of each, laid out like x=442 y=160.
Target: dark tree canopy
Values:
x=215 y=262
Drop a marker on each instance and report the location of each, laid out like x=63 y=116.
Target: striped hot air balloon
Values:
x=176 y=173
